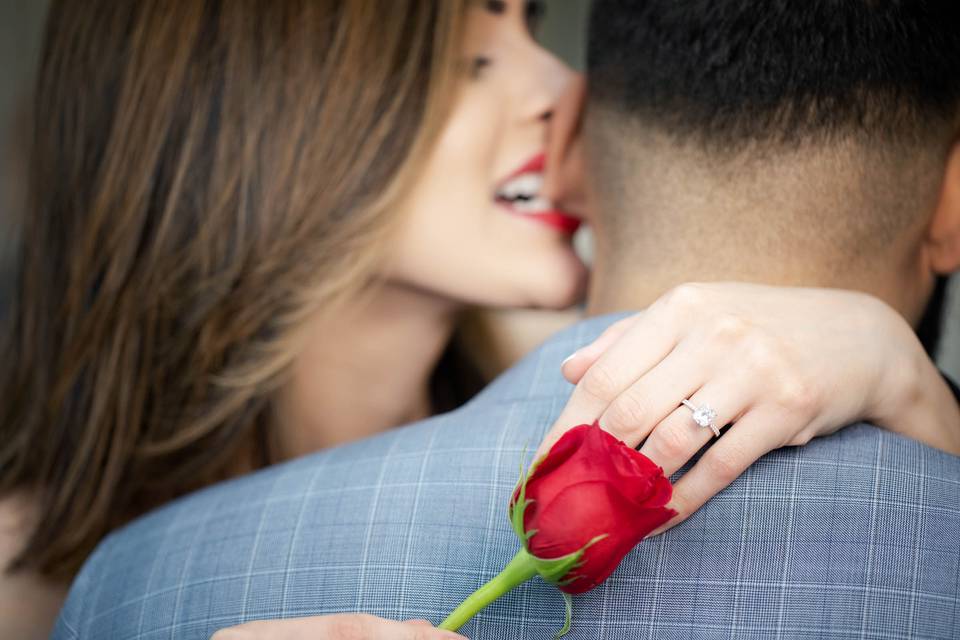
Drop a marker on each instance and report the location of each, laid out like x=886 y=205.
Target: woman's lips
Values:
x=536 y=164
x=519 y=195
x=556 y=219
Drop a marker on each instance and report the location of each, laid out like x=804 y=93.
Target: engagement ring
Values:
x=703 y=416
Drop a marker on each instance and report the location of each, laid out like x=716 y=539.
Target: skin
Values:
x=28 y=603
x=490 y=258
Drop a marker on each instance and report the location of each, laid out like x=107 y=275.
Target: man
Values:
x=784 y=142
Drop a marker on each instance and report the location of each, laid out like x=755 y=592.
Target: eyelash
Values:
x=534 y=11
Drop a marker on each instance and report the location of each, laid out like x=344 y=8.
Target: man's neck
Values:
x=631 y=282
x=669 y=213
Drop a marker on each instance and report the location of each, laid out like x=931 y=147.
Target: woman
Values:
x=253 y=227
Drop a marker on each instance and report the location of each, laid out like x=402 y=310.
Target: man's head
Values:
x=808 y=142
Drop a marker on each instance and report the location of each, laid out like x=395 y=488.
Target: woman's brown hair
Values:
x=205 y=175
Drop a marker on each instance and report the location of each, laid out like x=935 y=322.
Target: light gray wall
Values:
x=20 y=25
x=563 y=29
x=21 y=22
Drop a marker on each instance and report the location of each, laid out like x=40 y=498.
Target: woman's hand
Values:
x=781 y=365
x=346 y=626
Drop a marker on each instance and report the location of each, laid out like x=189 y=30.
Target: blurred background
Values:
x=21 y=23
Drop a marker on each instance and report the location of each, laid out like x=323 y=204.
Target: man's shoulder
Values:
x=361 y=512
x=408 y=524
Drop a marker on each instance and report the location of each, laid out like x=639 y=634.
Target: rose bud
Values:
x=592 y=493
x=581 y=508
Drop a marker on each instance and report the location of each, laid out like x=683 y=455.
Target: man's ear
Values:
x=564 y=179
x=943 y=235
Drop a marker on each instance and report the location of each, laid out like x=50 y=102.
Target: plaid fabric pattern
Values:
x=853 y=536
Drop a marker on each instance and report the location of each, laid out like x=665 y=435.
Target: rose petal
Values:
x=581 y=513
x=597 y=456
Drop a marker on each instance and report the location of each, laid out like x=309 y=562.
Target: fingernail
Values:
x=569 y=358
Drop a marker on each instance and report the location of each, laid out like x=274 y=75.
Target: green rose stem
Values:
x=524 y=566
x=519 y=570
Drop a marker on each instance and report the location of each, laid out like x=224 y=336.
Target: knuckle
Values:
x=684 y=297
x=797 y=396
x=599 y=383
x=728 y=328
x=726 y=466
x=627 y=413
x=671 y=443
x=616 y=430
x=765 y=355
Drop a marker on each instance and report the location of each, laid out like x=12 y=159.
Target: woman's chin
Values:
x=565 y=287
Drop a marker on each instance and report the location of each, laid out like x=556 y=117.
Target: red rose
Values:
x=580 y=510
x=592 y=487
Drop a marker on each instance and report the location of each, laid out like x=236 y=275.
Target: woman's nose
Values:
x=546 y=81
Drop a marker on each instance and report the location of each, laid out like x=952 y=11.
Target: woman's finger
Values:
x=643 y=346
x=652 y=336
x=679 y=436
x=752 y=437
x=582 y=359
x=634 y=413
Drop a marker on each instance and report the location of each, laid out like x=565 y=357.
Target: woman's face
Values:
x=475 y=229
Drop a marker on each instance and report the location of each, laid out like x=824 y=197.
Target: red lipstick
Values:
x=519 y=194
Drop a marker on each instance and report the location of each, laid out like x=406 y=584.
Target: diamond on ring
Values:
x=703 y=415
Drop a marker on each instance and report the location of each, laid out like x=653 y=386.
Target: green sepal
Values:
x=554 y=569
x=519 y=505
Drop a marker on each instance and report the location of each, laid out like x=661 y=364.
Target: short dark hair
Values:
x=734 y=71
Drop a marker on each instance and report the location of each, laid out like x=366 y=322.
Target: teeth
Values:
x=527 y=185
x=531 y=206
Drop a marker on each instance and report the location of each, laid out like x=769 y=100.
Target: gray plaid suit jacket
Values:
x=853 y=536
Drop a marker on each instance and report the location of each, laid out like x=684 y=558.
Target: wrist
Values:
x=903 y=371
x=915 y=399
